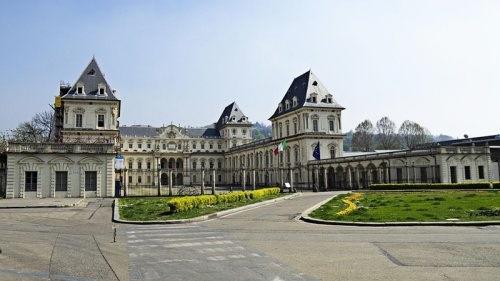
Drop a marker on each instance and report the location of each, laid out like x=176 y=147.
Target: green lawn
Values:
x=156 y=208
x=416 y=207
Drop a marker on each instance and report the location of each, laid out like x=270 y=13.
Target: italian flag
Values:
x=281 y=147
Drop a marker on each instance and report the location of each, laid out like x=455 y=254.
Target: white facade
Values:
x=81 y=162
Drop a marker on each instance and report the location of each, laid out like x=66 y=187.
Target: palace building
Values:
x=305 y=150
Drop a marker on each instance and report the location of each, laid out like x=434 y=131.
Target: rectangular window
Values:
x=139 y=145
x=61 y=181
x=164 y=146
x=219 y=146
x=423 y=174
x=130 y=179
x=194 y=165
x=79 y=90
x=139 y=179
x=399 y=175
x=139 y=165
x=480 y=171
x=219 y=165
x=101 y=91
x=330 y=124
x=149 y=145
x=90 y=181
x=79 y=121
x=149 y=179
x=211 y=146
x=194 y=178
x=130 y=165
x=287 y=130
x=100 y=121
x=315 y=125
x=148 y=165
x=130 y=146
x=194 y=145
x=30 y=181
x=467 y=172
x=295 y=128
x=202 y=146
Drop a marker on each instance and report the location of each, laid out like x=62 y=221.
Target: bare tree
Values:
x=362 y=139
x=3 y=141
x=412 y=134
x=39 y=129
x=45 y=122
x=386 y=135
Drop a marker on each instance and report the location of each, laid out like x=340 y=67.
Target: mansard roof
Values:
x=147 y=131
x=90 y=79
x=232 y=115
x=300 y=90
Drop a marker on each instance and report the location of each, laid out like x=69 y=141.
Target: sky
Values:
x=436 y=63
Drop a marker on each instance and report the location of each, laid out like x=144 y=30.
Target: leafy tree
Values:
x=362 y=140
x=412 y=134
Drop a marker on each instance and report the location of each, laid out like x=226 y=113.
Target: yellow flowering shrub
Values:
x=186 y=203
x=350 y=204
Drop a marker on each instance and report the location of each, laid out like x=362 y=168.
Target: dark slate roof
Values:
x=227 y=115
x=91 y=78
x=478 y=141
x=149 y=131
x=139 y=131
x=203 y=133
x=300 y=88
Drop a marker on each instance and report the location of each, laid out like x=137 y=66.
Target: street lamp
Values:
x=243 y=175
x=159 y=177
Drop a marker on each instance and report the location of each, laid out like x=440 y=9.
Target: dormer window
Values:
x=79 y=88
x=287 y=104
x=280 y=107
x=101 y=89
x=314 y=98
x=294 y=102
x=329 y=99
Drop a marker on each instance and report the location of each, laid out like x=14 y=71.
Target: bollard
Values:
x=114 y=233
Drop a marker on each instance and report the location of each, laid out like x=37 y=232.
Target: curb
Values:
x=305 y=217
x=42 y=206
x=116 y=212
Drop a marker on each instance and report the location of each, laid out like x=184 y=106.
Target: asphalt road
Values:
x=265 y=243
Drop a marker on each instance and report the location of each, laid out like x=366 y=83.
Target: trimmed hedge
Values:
x=403 y=186
x=496 y=184
x=186 y=203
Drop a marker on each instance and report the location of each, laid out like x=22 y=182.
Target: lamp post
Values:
x=170 y=181
x=159 y=177
x=243 y=176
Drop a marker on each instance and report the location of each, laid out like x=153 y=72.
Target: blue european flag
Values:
x=316 y=152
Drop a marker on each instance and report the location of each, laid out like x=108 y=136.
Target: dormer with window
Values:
x=101 y=90
x=294 y=102
x=313 y=98
x=280 y=107
x=329 y=98
x=287 y=104
x=80 y=89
